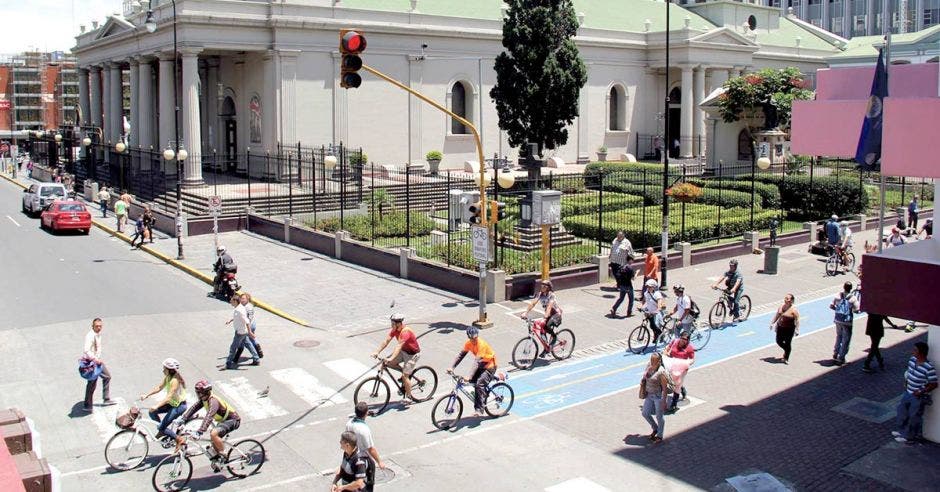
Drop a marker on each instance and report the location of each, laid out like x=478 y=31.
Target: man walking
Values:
x=149 y=221
x=357 y=425
x=355 y=472
x=624 y=279
x=919 y=380
x=104 y=199
x=912 y=211
x=875 y=329
x=240 y=322
x=92 y=351
x=621 y=253
x=120 y=210
x=845 y=305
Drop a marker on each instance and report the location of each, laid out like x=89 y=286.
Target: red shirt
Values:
x=407 y=338
x=674 y=351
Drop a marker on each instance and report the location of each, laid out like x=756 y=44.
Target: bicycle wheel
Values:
x=639 y=339
x=525 y=352
x=564 y=344
x=744 y=307
x=126 y=450
x=245 y=458
x=832 y=265
x=447 y=411
x=716 y=316
x=423 y=383
x=669 y=332
x=500 y=399
x=172 y=473
x=374 y=391
x=700 y=336
x=850 y=262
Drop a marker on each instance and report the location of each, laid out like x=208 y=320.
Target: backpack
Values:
x=844 y=310
x=694 y=310
x=370 y=473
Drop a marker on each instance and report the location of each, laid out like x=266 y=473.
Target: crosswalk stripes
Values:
x=349 y=369
x=307 y=387
x=245 y=398
x=579 y=484
x=104 y=417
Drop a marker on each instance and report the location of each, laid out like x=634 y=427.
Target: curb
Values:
x=182 y=266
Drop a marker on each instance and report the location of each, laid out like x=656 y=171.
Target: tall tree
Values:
x=539 y=75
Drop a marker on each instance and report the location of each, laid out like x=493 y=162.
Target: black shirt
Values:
x=355 y=467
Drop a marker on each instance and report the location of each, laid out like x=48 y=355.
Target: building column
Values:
x=288 y=96
x=699 y=115
x=737 y=71
x=83 y=102
x=167 y=108
x=145 y=104
x=212 y=105
x=94 y=96
x=117 y=102
x=134 y=140
x=192 y=138
x=106 y=104
x=918 y=15
x=870 y=18
x=268 y=103
x=686 y=128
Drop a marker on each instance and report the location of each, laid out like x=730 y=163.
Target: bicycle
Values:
x=698 y=335
x=130 y=446
x=722 y=307
x=527 y=349
x=242 y=459
x=641 y=336
x=375 y=390
x=499 y=399
x=834 y=264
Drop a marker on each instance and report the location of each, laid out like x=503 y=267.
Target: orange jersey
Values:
x=482 y=350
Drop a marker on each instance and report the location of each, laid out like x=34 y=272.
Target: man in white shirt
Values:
x=683 y=310
x=240 y=322
x=92 y=351
x=621 y=253
x=357 y=425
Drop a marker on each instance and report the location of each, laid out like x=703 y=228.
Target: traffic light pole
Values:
x=483 y=321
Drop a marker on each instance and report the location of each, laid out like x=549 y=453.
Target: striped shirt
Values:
x=621 y=251
x=919 y=375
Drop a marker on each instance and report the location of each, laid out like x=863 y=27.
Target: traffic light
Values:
x=476 y=213
x=497 y=211
x=351 y=44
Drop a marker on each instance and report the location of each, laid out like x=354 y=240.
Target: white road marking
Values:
x=86 y=470
x=712 y=279
x=244 y=397
x=349 y=369
x=13 y=221
x=307 y=387
x=747 y=334
x=566 y=374
x=579 y=484
x=103 y=417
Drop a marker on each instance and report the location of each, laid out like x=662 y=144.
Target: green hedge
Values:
x=609 y=167
x=653 y=195
x=392 y=224
x=825 y=197
x=585 y=203
x=769 y=193
x=510 y=260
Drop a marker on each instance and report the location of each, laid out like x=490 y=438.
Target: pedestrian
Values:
x=678 y=358
x=832 y=231
x=356 y=471
x=126 y=198
x=875 y=329
x=92 y=351
x=357 y=425
x=624 y=279
x=651 y=266
x=912 y=211
x=104 y=199
x=787 y=325
x=120 y=211
x=926 y=228
x=621 y=253
x=845 y=306
x=29 y=169
x=251 y=342
x=654 y=389
x=149 y=221
x=173 y=403
x=240 y=323
x=919 y=380
x=895 y=239
x=138 y=232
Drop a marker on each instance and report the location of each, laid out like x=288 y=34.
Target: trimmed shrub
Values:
x=769 y=193
x=825 y=197
x=586 y=203
x=609 y=167
x=512 y=261
x=393 y=224
x=653 y=195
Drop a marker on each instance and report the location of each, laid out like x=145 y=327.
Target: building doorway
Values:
x=230 y=135
x=675 y=121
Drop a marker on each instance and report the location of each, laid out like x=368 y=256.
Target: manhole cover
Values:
x=307 y=343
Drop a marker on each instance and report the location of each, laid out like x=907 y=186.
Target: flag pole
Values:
x=881 y=187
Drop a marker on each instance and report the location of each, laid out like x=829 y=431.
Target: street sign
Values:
x=480 y=236
x=215 y=205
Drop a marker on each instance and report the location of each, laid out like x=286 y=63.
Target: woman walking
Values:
x=173 y=403
x=679 y=356
x=654 y=389
x=787 y=324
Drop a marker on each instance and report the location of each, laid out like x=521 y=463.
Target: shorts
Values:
x=405 y=361
x=227 y=426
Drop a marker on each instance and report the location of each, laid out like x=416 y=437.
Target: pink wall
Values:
x=919 y=80
x=828 y=128
x=910 y=137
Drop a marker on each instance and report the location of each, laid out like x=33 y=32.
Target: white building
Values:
x=254 y=73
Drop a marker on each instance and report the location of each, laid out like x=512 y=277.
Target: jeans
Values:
x=785 y=340
x=910 y=415
x=843 y=337
x=736 y=303
x=238 y=341
x=105 y=386
x=654 y=404
x=104 y=208
x=481 y=380
x=171 y=414
x=625 y=290
x=656 y=324
x=874 y=352
x=252 y=349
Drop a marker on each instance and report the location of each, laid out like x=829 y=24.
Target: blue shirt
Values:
x=918 y=376
x=912 y=207
x=832 y=232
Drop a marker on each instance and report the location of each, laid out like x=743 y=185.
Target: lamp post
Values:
x=667 y=147
x=180 y=155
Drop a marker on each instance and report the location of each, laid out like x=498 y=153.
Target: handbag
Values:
x=88 y=369
x=643 y=389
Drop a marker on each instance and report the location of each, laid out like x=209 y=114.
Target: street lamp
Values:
x=180 y=155
x=150 y=24
x=667 y=145
x=58 y=138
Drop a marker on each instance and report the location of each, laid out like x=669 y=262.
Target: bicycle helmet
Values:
x=397 y=318
x=220 y=249
x=652 y=283
x=172 y=364
x=678 y=288
x=733 y=262
x=203 y=386
x=473 y=332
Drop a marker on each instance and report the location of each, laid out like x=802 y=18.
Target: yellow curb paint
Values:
x=17 y=183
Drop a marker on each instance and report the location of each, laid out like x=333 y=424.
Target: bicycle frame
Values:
x=538 y=332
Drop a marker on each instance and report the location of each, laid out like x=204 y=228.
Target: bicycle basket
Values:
x=126 y=421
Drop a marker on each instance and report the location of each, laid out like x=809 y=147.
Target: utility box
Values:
x=467 y=199
x=455 y=209
x=545 y=208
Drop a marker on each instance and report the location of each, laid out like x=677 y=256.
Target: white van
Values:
x=37 y=196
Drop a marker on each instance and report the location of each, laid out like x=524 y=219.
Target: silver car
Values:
x=39 y=195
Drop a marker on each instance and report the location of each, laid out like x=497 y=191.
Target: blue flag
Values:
x=868 y=152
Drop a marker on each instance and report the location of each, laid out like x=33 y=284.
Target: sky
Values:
x=49 y=25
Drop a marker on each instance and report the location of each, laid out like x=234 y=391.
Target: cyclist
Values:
x=405 y=355
x=653 y=307
x=173 y=404
x=225 y=416
x=845 y=245
x=832 y=231
x=734 y=286
x=684 y=309
x=551 y=308
x=485 y=368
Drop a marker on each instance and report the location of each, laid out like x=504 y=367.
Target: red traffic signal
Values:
x=351 y=43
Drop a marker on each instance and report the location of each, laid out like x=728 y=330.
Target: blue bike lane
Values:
x=562 y=385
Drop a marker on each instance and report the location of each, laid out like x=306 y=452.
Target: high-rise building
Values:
x=40 y=91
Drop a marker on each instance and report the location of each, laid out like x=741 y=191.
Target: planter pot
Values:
x=434 y=165
x=602 y=156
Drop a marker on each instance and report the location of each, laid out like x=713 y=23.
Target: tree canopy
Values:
x=769 y=90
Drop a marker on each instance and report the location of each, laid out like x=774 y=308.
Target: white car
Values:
x=39 y=195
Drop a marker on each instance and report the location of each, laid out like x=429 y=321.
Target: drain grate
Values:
x=306 y=343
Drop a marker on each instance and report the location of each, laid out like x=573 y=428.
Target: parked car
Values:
x=66 y=215
x=40 y=195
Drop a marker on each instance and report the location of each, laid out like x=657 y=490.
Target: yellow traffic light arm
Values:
x=476 y=135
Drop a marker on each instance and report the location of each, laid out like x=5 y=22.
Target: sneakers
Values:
x=256 y=362
x=895 y=433
x=216 y=463
x=88 y=409
x=108 y=402
x=656 y=439
x=901 y=440
x=867 y=369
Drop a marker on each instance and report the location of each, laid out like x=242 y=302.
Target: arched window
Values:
x=745 y=149
x=460 y=103
x=617 y=107
x=675 y=96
